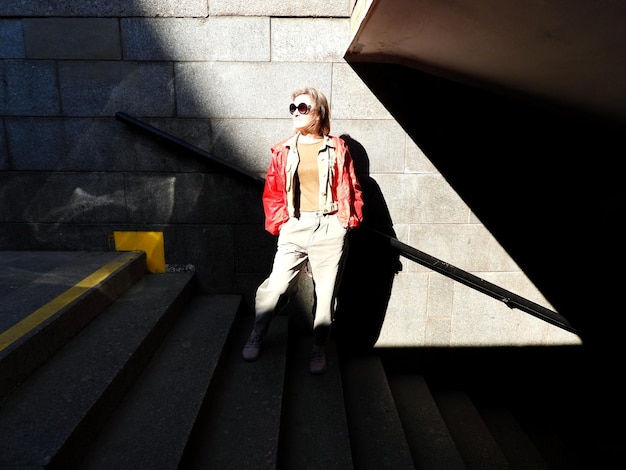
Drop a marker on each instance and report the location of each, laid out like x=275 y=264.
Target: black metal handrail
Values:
x=170 y=139
x=511 y=299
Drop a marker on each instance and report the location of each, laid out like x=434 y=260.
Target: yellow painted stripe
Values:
x=43 y=313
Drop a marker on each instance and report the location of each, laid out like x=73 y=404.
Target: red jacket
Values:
x=340 y=189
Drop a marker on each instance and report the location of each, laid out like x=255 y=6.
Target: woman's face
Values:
x=303 y=116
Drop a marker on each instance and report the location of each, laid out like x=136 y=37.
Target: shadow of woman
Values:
x=370 y=266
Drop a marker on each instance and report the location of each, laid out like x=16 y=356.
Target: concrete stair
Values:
x=146 y=373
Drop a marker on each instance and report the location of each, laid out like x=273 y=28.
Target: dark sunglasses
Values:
x=302 y=108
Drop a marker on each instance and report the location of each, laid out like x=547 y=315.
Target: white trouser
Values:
x=320 y=240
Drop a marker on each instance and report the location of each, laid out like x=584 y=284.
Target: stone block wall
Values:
x=218 y=74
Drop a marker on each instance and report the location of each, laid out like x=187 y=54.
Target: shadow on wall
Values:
x=543 y=180
x=371 y=266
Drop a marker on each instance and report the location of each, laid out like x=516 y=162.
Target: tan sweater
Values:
x=308 y=176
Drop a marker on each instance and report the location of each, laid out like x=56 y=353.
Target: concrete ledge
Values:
x=39 y=317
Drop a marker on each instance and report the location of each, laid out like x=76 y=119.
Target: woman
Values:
x=312 y=197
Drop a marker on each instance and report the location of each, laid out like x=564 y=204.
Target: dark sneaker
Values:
x=318 y=362
x=252 y=349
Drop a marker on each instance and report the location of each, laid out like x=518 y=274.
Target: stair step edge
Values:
x=512 y=439
x=376 y=432
x=53 y=415
x=318 y=401
x=239 y=424
x=475 y=442
x=430 y=441
x=40 y=316
x=151 y=427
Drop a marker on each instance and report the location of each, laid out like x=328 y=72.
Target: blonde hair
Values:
x=319 y=106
